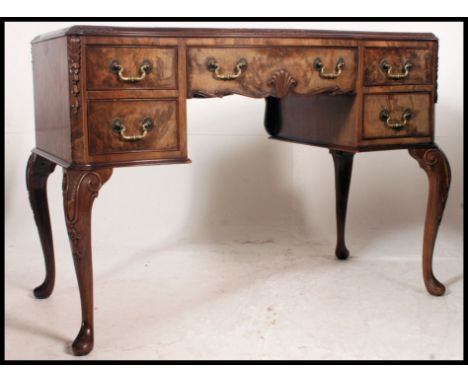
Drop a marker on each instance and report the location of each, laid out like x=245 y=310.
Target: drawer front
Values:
x=393 y=66
x=397 y=116
x=270 y=71
x=144 y=67
x=111 y=124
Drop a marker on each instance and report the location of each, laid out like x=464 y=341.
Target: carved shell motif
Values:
x=282 y=82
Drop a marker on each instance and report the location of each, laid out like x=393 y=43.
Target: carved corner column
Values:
x=80 y=188
x=343 y=162
x=434 y=162
x=37 y=173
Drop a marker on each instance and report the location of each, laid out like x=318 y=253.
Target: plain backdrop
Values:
x=241 y=186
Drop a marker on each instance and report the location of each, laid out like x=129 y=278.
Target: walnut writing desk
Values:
x=109 y=97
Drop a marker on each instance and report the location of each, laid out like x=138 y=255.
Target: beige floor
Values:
x=274 y=298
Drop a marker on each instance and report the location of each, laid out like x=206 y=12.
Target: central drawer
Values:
x=262 y=72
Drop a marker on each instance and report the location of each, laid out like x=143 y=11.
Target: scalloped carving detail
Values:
x=282 y=82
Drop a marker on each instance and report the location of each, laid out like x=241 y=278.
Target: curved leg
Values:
x=343 y=162
x=37 y=173
x=433 y=161
x=80 y=188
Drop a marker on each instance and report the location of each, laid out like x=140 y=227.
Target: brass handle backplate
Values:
x=387 y=68
x=118 y=69
x=213 y=66
x=318 y=65
x=119 y=128
x=396 y=125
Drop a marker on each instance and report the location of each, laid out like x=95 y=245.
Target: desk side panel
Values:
x=51 y=98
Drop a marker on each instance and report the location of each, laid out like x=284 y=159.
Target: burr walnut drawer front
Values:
x=397 y=116
x=133 y=126
x=261 y=72
x=393 y=66
x=120 y=67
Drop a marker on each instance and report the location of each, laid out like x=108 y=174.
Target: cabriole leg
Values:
x=80 y=188
x=343 y=162
x=434 y=162
x=37 y=173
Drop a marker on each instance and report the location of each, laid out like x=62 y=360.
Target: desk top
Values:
x=91 y=30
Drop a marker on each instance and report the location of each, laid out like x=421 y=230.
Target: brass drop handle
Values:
x=119 y=128
x=213 y=66
x=318 y=65
x=118 y=69
x=387 y=68
x=396 y=125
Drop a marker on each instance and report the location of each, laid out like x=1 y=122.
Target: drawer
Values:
x=397 y=115
x=143 y=67
x=393 y=66
x=152 y=124
x=261 y=72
